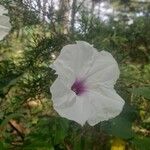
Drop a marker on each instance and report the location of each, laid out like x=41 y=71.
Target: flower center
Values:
x=79 y=87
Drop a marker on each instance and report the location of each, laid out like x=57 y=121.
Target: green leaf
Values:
x=142 y=91
x=121 y=126
x=38 y=140
x=60 y=130
x=1 y=145
x=141 y=143
x=8 y=118
x=4 y=87
x=3 y=124
x=48 y=132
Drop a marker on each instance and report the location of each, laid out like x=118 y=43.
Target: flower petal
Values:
x=74 y=60
x=67 y=104
x=62 y=96
x=4 y=23
x=75 y=112
x=105 y=104
x=104 y=70
x=100 y=71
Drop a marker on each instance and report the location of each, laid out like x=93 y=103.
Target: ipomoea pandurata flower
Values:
x=4 y=23
x=84 y=89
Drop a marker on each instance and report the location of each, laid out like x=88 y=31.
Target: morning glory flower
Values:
x=84 y=89
x=4 y=23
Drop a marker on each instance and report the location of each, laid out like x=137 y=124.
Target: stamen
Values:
x=79 y=87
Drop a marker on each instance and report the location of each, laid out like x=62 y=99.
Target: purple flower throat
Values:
x=79 y=87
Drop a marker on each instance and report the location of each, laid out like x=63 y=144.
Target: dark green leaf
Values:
x=142 y=91
x=60 y=130
x=121 y=126
x=141 y=143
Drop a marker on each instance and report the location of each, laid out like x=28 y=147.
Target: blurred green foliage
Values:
x=27 y=118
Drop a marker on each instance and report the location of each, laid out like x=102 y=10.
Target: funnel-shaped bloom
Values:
x=4 y=23
x=84 y=90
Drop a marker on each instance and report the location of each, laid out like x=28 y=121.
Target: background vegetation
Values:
x=39 y=30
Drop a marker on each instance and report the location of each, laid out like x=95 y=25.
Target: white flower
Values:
x=84 y=90
x=4 y=23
